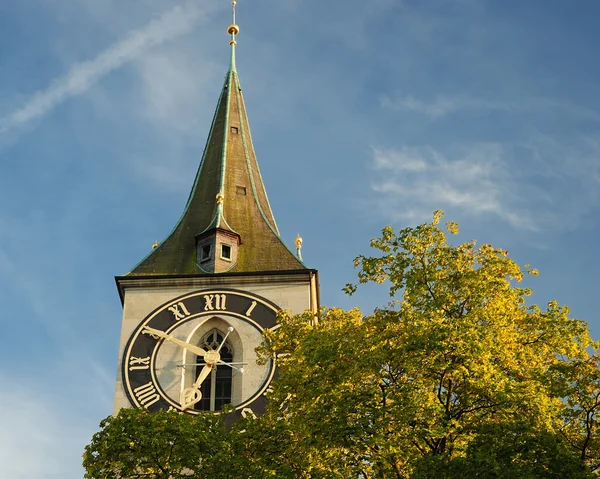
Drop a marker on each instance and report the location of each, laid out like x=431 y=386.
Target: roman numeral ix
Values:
x=139 y=363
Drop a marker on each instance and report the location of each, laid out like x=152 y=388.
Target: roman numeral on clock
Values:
x=146 y=394
x=179 y=311
x=215 y=302
x=136 y=364
x=248 y=412
x=251 y=308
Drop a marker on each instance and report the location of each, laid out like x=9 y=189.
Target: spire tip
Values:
x=233 y=29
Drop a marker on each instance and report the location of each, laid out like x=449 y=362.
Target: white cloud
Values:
x=406 y=159
x=415 y=181
x=538 y=185
x=81 y=76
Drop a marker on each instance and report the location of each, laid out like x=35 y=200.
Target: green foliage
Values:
x=579 y=382
x=457 y=377
x=164 y=445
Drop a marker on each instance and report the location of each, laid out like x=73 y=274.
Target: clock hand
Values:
x=203 y=375
x=161 y=334
x=229 y=331
x=191 y=396
x=231 y=365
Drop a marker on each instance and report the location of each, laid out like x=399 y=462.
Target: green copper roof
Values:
x=229 y=168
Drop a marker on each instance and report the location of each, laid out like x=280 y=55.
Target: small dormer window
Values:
x=204 y=253
x=240 y=190
x=234 y=130
x=226 y=251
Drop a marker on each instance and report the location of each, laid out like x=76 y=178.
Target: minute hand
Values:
x=191 y=396
x=161 y=334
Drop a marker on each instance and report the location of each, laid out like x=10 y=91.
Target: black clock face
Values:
x=196 y=353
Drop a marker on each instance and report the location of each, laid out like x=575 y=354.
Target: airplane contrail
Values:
x=81 y=76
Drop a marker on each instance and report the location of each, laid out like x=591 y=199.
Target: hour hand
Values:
x=157 y=333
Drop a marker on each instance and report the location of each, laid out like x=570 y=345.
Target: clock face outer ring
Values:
x=138 y=367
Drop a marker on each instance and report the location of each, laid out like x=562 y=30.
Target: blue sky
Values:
x=363 y=114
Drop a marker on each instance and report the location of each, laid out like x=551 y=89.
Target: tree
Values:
x=137 y=444
x=163 y=445
x=457 y=377
x=581 y=385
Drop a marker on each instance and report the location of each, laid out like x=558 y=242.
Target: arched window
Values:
x=216 y=388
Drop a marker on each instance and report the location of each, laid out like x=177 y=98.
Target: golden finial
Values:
x=155 y=245
x=233 y=29
x=298 y=242
x=220 y=198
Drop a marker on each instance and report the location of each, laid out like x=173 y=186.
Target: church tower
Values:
x=194 y=309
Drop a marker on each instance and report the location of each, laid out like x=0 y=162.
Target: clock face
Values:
x=196 y=353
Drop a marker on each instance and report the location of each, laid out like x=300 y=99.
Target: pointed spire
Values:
x=227 y=224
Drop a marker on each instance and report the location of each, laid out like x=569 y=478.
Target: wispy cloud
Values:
x=417 y=180
x=174 y=87
x=82 y=76
x=443 y=105
x=537 y=185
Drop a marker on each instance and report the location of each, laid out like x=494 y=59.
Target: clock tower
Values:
x=194 y=309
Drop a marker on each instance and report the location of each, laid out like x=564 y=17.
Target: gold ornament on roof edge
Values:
x=220 y=198
x=298 y=241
